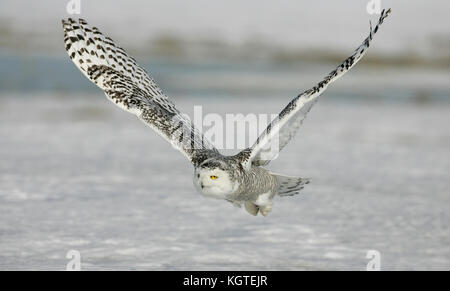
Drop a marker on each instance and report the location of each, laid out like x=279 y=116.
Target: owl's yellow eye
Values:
x=213 y=177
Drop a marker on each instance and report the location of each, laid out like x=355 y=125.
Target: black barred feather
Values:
x=281 y=130
x=130 y=87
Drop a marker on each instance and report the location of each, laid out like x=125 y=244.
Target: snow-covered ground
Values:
x=78 y=173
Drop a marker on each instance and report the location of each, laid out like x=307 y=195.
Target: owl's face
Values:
x=214 y=182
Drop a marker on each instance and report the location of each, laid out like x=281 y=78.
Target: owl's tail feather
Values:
x=289 y=186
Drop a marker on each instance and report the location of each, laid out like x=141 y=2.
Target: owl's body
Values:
x=256 y=190
x=223 y=177
x=239 y=179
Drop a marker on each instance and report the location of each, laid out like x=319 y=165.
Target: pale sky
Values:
x=291 y=23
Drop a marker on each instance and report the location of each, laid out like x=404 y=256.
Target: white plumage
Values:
x=239 y=179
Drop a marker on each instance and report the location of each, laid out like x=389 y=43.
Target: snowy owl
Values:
x=239 y=179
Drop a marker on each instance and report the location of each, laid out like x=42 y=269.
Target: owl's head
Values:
x=214 y=178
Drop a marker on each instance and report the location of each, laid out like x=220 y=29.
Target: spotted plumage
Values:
x=239 y=179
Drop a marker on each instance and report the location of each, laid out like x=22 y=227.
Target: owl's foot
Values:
x=251 y=208
x=264 y=203
x=265 y=209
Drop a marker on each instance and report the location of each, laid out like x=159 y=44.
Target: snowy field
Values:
x=78 y=173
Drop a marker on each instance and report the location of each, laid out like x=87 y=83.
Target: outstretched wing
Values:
x=129 y=86
x=280 y=131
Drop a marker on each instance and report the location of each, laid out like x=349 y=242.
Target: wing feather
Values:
x=129 y=86
x=281 y=130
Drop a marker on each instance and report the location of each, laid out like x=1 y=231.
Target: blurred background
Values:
x=78 y=173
